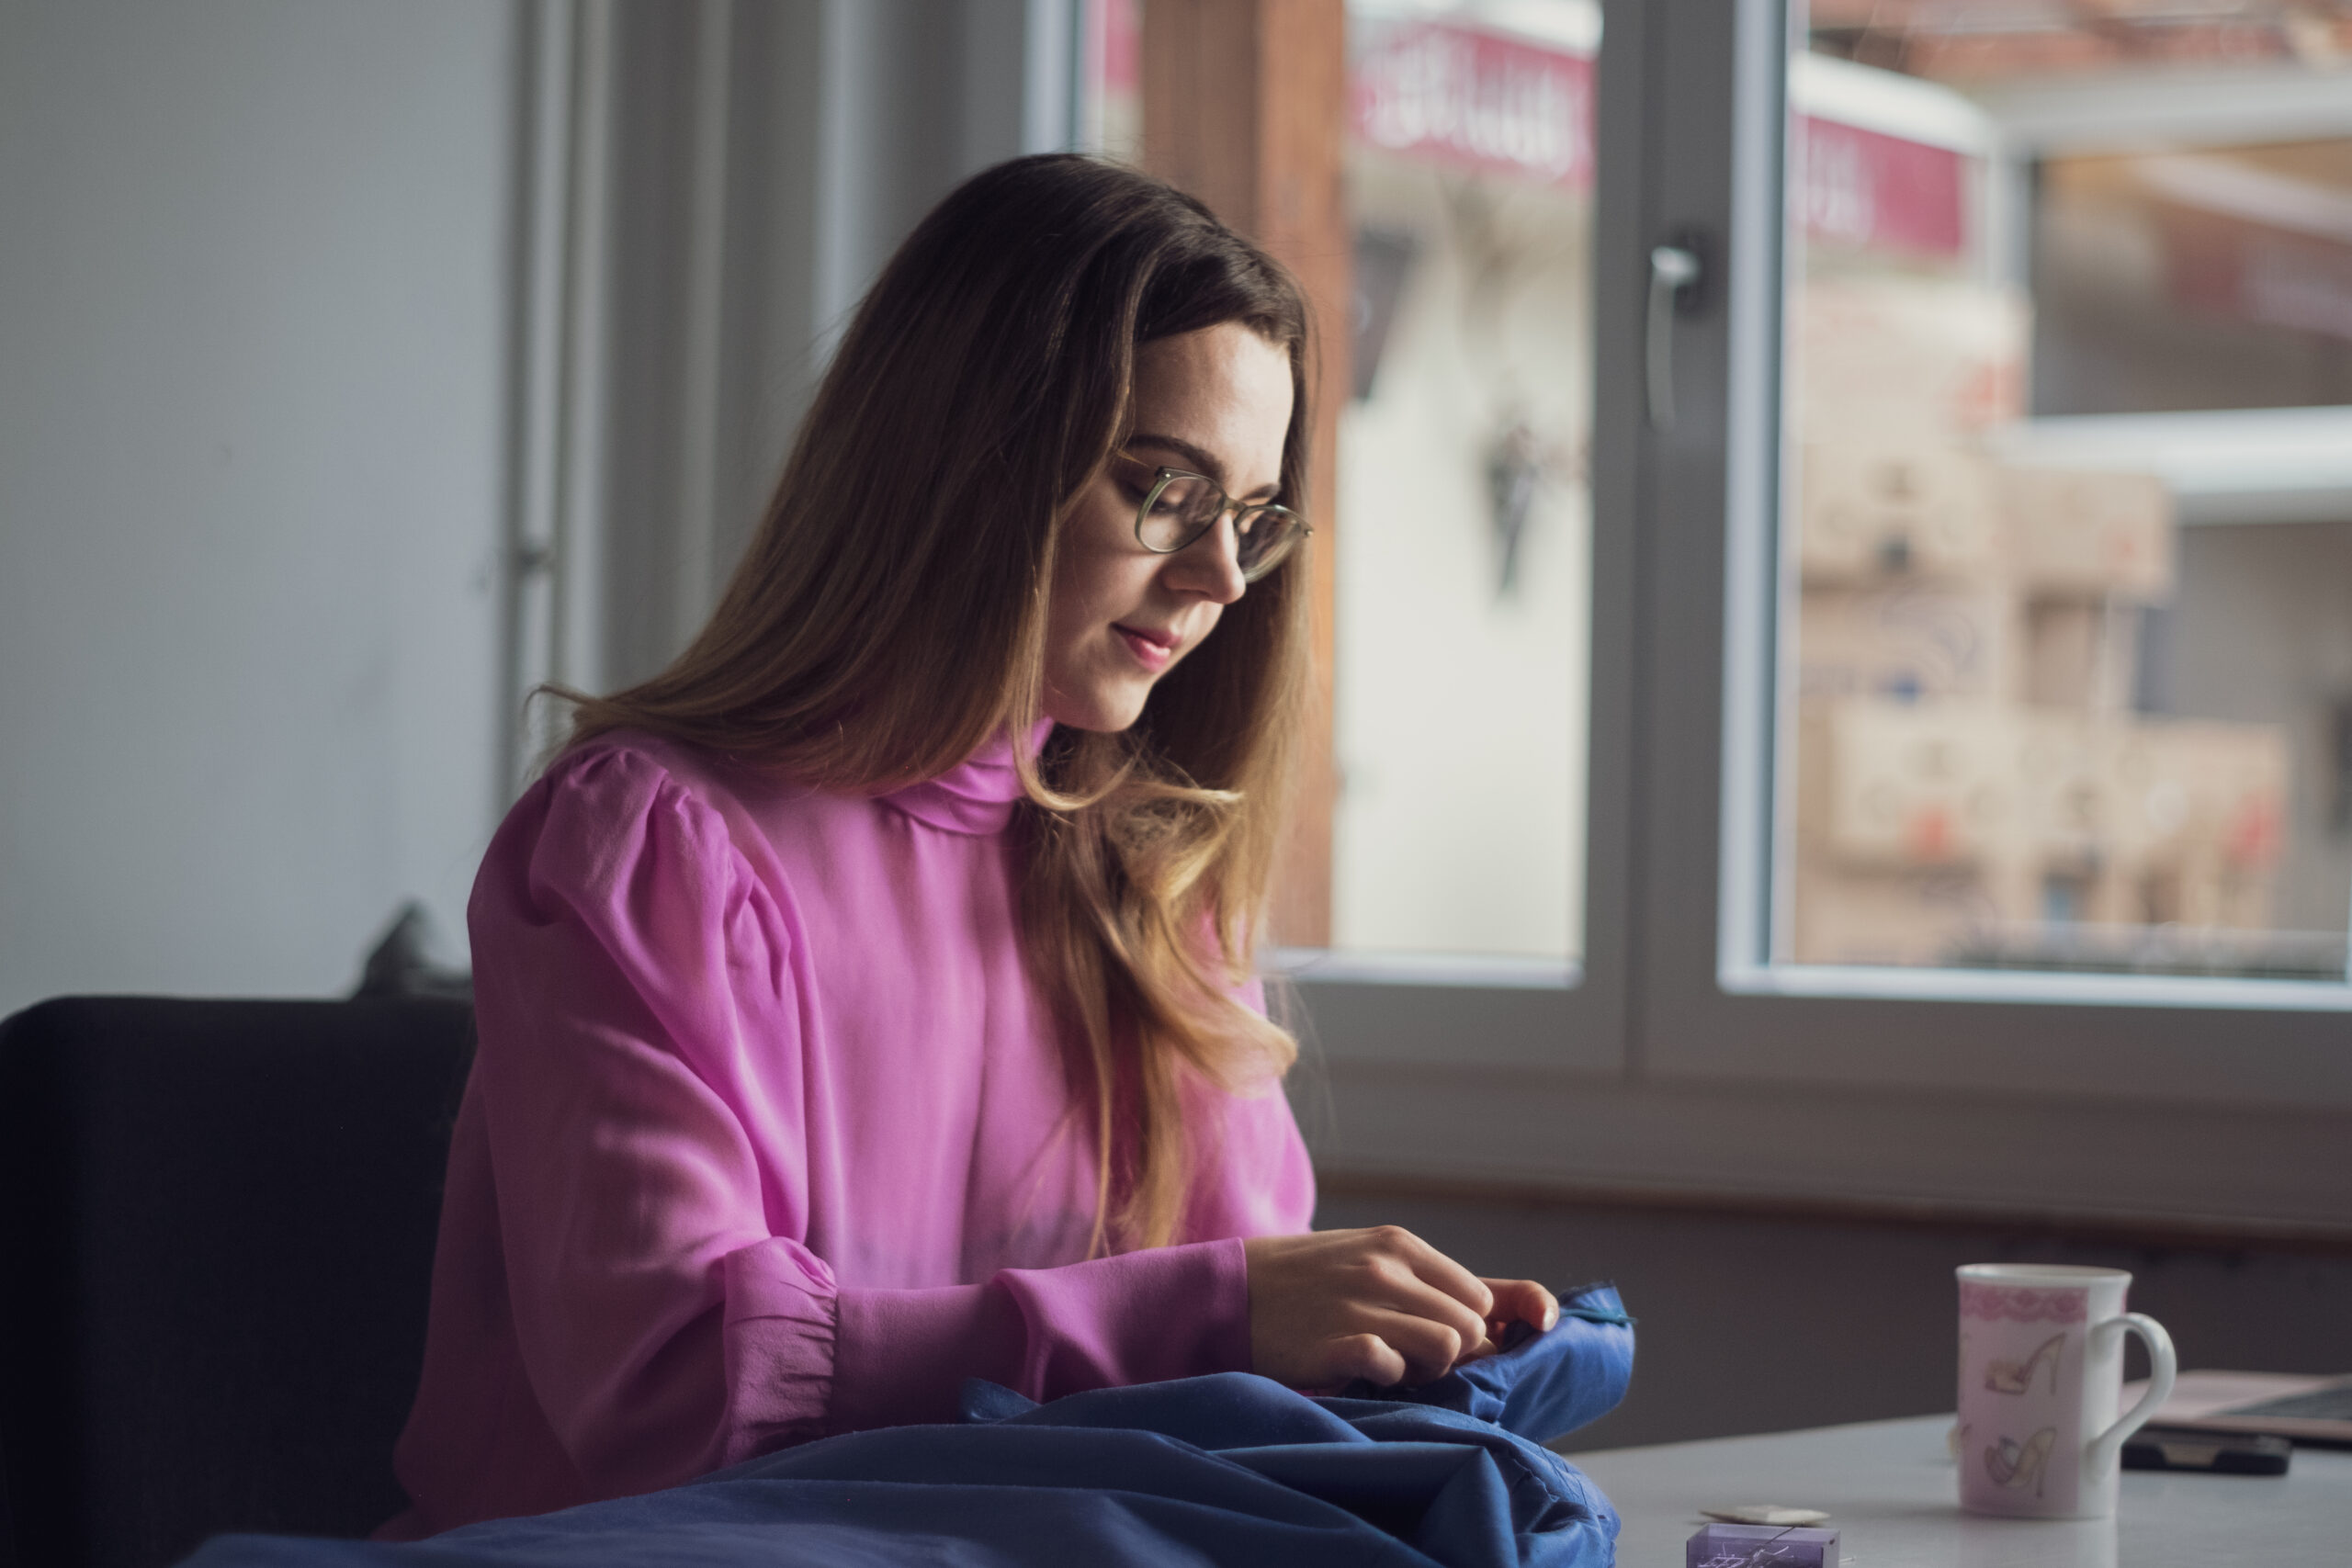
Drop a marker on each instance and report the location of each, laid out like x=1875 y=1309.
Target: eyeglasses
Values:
x=1181 y=506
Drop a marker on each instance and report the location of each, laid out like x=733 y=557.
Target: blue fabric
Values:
x=1547 y=1384
x=1228 y=1470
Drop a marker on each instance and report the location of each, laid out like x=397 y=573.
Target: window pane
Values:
x=1464 y=514
x=1111 y=105
x=2067 y=572
x=2201 y=277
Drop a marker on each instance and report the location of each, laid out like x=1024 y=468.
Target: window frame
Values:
x=1920 y=1029
x=1677 y=1060
x=1475 y=1013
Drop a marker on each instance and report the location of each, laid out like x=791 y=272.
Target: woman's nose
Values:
x=1210 y=565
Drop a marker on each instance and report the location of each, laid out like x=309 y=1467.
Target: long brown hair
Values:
x=890 y=617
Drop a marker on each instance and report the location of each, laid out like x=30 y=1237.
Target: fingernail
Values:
x=1551 y=1317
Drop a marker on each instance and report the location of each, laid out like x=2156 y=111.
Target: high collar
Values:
x=976 y=794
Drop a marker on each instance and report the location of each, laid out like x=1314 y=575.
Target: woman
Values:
x=865 y=1001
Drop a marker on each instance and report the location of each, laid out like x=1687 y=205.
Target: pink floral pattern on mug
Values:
x=2022 y=1303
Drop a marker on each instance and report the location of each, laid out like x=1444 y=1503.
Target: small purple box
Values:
x=1762 y=1546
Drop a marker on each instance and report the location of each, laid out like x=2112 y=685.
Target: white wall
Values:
x=308 y=307
x=2261 y=633
x=831 y=127
x=253 y=301
x=1471 y=840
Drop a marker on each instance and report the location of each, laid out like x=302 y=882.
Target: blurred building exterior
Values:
x=2007 y=754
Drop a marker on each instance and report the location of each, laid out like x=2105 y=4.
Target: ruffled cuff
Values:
x=780 y=1338
x=804 y=1359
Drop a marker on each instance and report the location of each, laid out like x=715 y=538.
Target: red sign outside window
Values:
x=1493 y=103
x=1478 y=100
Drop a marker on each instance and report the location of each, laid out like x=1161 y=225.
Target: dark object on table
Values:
x=219 y=1241
x=2311 y=1412
x=2223 y=1453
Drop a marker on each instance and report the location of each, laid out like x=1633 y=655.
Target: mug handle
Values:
x=2161 y=1367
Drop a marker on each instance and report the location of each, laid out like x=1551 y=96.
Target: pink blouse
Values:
x=767 y=1137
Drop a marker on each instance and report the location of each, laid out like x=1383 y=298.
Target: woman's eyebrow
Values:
x=1201 y=457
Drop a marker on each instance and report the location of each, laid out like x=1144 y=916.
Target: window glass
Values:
x=1460 y=527
x=2198 y=277
x=2066 y=562
x=1110 y=104
x=1463 y=523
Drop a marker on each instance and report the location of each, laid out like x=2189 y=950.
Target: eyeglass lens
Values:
x=1184 y=506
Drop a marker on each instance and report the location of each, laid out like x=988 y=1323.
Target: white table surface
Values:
x=1890 y=1492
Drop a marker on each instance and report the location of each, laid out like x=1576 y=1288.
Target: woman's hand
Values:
x=1380 y=1304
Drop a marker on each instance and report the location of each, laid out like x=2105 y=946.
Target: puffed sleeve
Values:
x=667 y=1317
x=624 y=961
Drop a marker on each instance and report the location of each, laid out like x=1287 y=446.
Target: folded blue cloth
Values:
x=1436 y=1467
x=1545 y=1385
x=1230 y=1470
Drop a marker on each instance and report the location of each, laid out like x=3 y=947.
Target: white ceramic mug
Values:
x=2040 y=1375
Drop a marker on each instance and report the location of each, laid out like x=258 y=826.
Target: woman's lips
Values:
x=1153 y=651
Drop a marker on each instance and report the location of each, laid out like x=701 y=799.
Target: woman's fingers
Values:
x=1438 y=1270
x=1379 y=1304
x=1392 y=1347
x=1365 y=1356
x=1427 y=1349
x=1520 y=1301
x=1412 y=1298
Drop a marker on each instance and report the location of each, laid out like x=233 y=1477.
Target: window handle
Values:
x=1675 y=272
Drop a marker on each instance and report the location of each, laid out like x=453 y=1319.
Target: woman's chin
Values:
x=1103 y=711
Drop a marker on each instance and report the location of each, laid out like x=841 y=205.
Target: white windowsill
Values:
x=1500 y=971
x=2031 y=986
